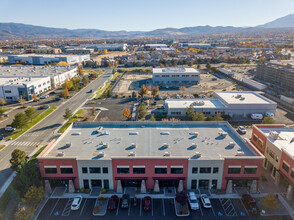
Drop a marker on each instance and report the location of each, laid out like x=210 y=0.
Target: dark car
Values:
x=125 y=201
x=57 y=98
x=113 y=202
x=90 y=91
x=1 y=137
x=147 y=203
x=36 y=100
x=250 y=204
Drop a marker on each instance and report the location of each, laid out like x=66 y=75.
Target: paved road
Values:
x=43 y=132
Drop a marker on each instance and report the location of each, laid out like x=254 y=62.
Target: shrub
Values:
x=96 y=209
x=104 y=191
x=181 y=198
x=82 y=190
x=87 y=191
x=185 y=210
x=100 y=197
x=42 y=106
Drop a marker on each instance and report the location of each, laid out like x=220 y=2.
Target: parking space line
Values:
x=244 y=207
x=152 y=206
x=67 y=209
x=200 y=209
x=163 y=207
x=129 y=207
x=118 y=207
x=54 y=207
x=141 y=207
x=83 y=207
x=212 y=210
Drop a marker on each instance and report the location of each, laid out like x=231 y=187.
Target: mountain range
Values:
x=10 y=31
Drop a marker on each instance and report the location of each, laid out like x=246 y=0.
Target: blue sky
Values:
x=142 y=14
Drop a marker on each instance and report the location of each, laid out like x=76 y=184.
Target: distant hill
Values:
x=283 y=22
x=9 y=31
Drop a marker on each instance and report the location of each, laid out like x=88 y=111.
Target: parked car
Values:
x=242 y=130
x=44 y=96
x=90 y=91
x=76 y=203
x=159 y=97
x=193 y=201
x=178 y=96
x=168 y=97
x=269 y=114
x=4 y=115
x=57 y=98
x=250 y=204
x=205 y=201
x=125 y=201
x=113 y=202
x=9 y=128
x=36 y=100
x=192 y=97
x=46 y=106
x=147 y=203
x=1 y=137
x=256 y=116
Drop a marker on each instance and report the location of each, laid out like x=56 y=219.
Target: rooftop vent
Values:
x=166 y=154
x=101 y=154
x=165 y=145
x=274 y=134
x=238 y=96
x=197 y=154
x=134 y=133
x=193 y=145
x=132 y=153
x=68 y=144
x=292 y=140
x=60 y=154
x=105 y=145
x=164 y=133
x=99 y=129
x=242 y=98
x=194 y=133
x=240 y=153
x=232 y=144
x=76 y=133
x=105 y=133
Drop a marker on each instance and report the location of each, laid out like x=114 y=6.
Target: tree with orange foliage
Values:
x=155 y=91
x=105 y=51
x=34 y=96
x=80 y=70
x=143 y=91
x=127 y=113
x=65 y=93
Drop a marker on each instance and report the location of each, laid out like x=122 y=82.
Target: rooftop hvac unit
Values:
x=105 y=145
x=274 y=134
x=101 y=154
x=132 y=153
x=240 y=153
x=133 y=145
x=201 y=103
x=166 y=154
x=134 y=133
x=100 y=129
x=105 y=133
x=197 y=154
x=292 y=140
x=60 y=154
x=193 y=145
x=232 y=144
x=68 y=144
x=165 y=145
x=242 y=98
x=223 y=134
x=194 y=133
x=238 y=96
x=76 y=133
x=164 y=133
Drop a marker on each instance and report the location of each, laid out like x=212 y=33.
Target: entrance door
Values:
x=58 y=182
x=131 y=183
x=96 y=183
x=204 y=184
x=106 y=184
x=168 y=183
x=86 y=184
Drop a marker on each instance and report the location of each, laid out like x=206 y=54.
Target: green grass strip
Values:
x=71 y=120
x=37 y=119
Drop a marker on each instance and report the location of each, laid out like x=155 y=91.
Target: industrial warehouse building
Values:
x=111 y=47
x=234 y=104
x=175 y=76
x=41 y=59
x=14 y=88
x=57 y=74
x=156 y=155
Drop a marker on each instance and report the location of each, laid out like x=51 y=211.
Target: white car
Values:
x=193 y=201
x=76 y=203
x=242 y=130
x=205 y=201
x=44 y=96
x=269 y=114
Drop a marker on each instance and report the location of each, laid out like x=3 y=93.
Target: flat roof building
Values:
x=41 y=59
x=111 y=47
x=175 y=76
x=234 y=104
x=57 y=74
x=14 y=88
x=276 y=143
x=168 y=152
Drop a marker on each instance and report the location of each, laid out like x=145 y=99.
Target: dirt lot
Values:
x=208 y=84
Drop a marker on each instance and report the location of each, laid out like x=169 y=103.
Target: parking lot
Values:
x=161 y=209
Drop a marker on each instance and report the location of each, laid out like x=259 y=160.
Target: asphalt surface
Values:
x=59 y=209
x=43 y=131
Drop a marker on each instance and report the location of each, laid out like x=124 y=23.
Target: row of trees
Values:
x=26 y=184
x=144 y=91
x=21 y=119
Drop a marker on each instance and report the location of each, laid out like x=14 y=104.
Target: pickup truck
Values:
x=250 y=204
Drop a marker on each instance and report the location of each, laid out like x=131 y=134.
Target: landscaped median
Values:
x=71 y=120
x=100 y=207
x=37 y=119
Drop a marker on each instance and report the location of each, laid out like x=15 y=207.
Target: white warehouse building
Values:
x=41 y=59
x=175 y=76
x=14 y=88
x=234 y=104
x=111 y=47
x=57 y=74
